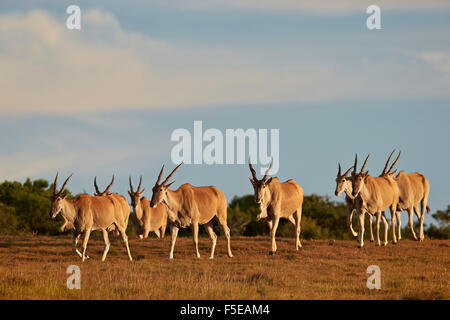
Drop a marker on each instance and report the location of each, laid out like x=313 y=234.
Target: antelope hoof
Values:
x=385 y=244
x=371 y=240
x=360 y=246
x=394 y=242
x=271 y=253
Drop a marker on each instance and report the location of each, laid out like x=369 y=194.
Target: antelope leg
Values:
x=378 y=228
x=213 y=236
x=349 y=221
x=272 y=234
x=371 y=227
x=393 y=221
x=174 y=233
x=75 y=238
x=361 y=228
x=195 y=236
x=125 y=240
x=386 y=227
x=226 y=230
x=107 y=243
x=399 y=225
x=298 y=220
x=411 y=225
x=85 y=242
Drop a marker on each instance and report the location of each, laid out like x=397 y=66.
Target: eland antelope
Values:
x=120 y=204
x=189 y=205
x=278 y=200
x=374 y=196
x=413 y=188
x=344 y=184
x=87 y=213
x=145 y=218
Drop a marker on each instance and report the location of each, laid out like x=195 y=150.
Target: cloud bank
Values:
x=47 y=68
x=318 y=7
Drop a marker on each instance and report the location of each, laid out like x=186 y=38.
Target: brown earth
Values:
x=34 y=267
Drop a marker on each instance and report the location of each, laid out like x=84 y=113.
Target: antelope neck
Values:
x=172 y=203
x=68 y=210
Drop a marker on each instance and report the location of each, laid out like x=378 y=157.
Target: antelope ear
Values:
x=142 y=192
x=64 y=197
x=366 y=174
x=129 y=192
x=168 y=185
x=269 y=181
x=251 y=180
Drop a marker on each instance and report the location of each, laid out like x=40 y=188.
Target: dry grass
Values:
x=34 y=267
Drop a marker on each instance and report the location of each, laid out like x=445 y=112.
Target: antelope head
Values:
x=341 y=181
x=136 y=195
x=160 y=189
x=104 y=193
x=57 y=198
x=259 y=186
x=137 y=208
x=358 y=179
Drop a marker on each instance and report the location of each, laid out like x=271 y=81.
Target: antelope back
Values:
x=380 y=192
x=202 y=203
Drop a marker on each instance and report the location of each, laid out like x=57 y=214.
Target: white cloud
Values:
x=24 y=165
x=319 y=7
x=440 y=61
x=87 y=160
x=47 y=68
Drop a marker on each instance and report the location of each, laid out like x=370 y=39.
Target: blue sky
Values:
x=106 y=99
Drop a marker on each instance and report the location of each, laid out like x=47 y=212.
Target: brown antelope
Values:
x=344 y=184
x=189 y=205
x=374 y=195
x=119 y=201
x=413 y=188
x=278 y=200
x=87 y=213
x=145 y=218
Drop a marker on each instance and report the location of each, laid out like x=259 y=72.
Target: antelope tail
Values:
x=428 y=209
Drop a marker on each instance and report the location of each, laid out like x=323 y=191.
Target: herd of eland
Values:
x=191 y=206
